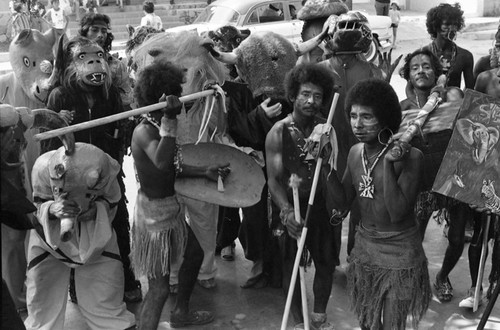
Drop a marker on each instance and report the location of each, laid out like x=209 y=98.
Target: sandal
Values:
x=444 y=290
x=193 y=318
x=227 y=253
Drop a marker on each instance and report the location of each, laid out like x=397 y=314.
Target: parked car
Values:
x=279 y=16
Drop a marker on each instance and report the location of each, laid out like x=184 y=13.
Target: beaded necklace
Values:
x=446 y=68
x=367 y=187
x=153 y=121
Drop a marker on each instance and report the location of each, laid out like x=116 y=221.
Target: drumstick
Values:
x=116 y=117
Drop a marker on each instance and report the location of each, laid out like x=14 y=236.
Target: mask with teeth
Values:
x=85 y=65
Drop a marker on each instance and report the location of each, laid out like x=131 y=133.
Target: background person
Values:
x=150 y=18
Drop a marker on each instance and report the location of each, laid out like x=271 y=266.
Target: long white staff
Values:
x=294 y=183
x=303 y=236
x=118 y=116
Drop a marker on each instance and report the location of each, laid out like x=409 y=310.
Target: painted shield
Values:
x=242 y=187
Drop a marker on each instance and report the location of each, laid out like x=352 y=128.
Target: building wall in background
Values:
x=470 y=7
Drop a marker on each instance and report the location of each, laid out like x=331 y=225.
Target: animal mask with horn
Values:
x=314 y=14
x=263 y=59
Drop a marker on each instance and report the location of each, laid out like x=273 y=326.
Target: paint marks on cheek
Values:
x=372 y=126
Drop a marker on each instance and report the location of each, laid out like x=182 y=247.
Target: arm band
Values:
x=168 y=127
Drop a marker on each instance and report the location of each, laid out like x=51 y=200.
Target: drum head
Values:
x=242 y=187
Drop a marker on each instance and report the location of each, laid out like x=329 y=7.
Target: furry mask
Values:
x=263 y=59
x=314 y=9
x=81 y=66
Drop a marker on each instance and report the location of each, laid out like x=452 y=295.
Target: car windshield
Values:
x=217 y=15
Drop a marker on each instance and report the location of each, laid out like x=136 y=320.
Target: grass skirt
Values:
x=159 y=235
x=388 y=265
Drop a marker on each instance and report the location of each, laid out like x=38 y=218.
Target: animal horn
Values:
x=306 y=46
x=227 y=58
x=49 y=120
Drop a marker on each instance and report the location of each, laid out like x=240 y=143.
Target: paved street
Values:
x=263 y=308
x=237 y=308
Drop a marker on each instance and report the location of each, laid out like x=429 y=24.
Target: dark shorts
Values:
x=393 y=25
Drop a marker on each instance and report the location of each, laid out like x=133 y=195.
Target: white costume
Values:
x=152 y=20
x=201 y=216
x=57 y=18
x=92 y=251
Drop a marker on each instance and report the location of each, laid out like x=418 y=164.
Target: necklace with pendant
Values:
x=447 y=66
x=367 y=187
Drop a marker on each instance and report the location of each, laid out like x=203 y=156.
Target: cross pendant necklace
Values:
x=367 y=187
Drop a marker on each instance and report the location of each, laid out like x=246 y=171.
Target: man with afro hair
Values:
x=160 y=234
x=387 y=273
x=443 y=23
x=309 y=87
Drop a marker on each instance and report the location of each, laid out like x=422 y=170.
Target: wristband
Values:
x=168 y=127
x=284 y=214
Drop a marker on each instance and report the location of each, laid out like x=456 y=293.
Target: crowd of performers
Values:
x=270 y=92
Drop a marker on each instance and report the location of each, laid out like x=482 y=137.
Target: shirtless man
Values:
x=488 y=82
x=160 y=234
x=309 y=87
x=421 y=69
x=491 y=60
x=443 y=22
x=387 y=240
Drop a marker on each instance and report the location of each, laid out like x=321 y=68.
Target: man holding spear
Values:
x=387 y=273
x=309 y=87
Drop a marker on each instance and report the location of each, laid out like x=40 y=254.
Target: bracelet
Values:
x=337 y=217
x=285 y=211
x=168 y=127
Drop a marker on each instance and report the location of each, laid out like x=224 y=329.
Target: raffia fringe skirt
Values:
x=388 y=265
x=159 y=235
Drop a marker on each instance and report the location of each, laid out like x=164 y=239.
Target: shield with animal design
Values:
x=470 y=170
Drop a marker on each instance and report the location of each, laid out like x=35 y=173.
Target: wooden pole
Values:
x=489 y=308
x=119 y=116
x=479 y=283
x=294 y=183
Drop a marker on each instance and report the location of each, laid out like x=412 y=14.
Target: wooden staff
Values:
x=303 y=236
x=489 y=307
x=294 y=183
x=119 y=116
x=484 y=248
x=398 y=150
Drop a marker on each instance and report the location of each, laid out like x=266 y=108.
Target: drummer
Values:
x=160 y=234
